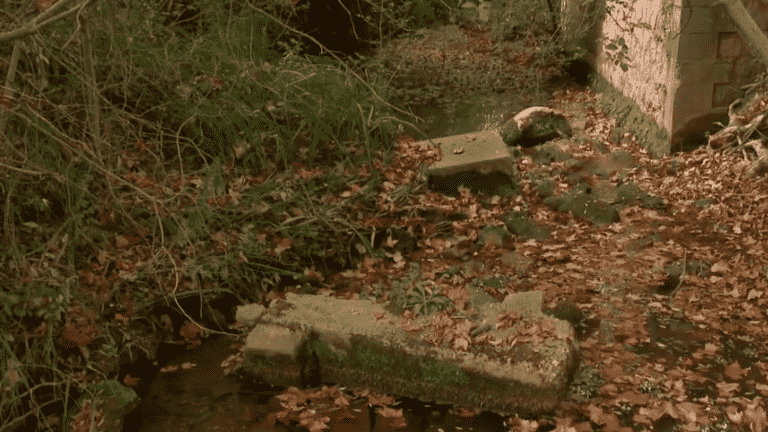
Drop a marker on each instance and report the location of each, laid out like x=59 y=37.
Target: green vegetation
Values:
x=442 y=373
x=405 y=365
x=153 y=155
x=585 y=384
x=423 y=297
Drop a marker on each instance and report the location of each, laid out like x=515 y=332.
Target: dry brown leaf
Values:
x=461 y=344
x=633 y=398
x=734 y=371
x=390 y=413
x=527 y=426
x=719 y=267
x=73 y=335
x=282 y=245
x=380 y=399
x=755 y=417
x=131 y=381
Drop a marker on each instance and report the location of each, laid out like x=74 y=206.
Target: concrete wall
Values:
x=686 y=61
x=714 y=64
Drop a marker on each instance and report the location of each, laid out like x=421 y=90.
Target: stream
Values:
x=202 y=398
x=462 y=114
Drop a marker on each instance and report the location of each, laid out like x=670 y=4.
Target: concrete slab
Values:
x=507 y=358
x=483 y=151
x=479 y=161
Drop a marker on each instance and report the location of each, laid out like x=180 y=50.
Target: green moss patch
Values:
x=630 y=118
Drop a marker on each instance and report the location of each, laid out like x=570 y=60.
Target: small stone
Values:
x=534 y=126
x=510 y=132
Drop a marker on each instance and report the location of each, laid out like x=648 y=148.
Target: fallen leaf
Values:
x=282 y=245
x=73 y=336
x=131 y=381
x=466 y=411
x=379 y=399
x=755 y=418
x=734 y=371
x=169 y=368
x=391 y=413
x=719 y=267
x=191 y=333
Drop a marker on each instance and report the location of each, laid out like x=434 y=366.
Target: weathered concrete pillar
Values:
x=714 y=62
x=637 y=55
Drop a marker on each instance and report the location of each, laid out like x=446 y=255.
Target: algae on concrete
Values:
x=629 y=117
x=358 y=343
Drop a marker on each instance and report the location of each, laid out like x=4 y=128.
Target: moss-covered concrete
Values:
x=630 y=118
x=517 y=360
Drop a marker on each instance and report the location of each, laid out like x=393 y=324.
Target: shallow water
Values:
x=204 y=399
x=464 y=114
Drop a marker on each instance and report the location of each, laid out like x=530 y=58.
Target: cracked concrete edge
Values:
x=357 y=343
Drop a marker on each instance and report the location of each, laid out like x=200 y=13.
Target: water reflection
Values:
x=460 y=113
x=202 y=398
